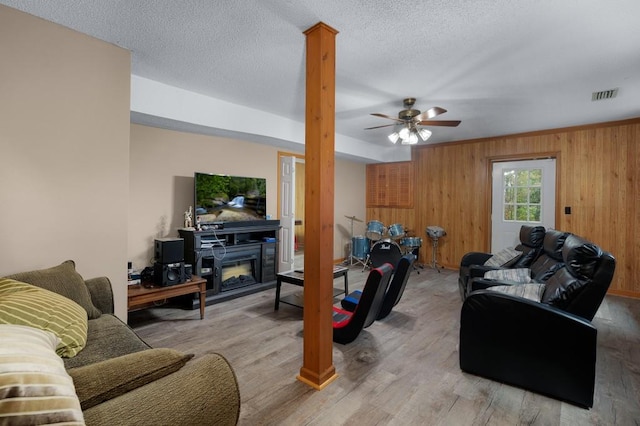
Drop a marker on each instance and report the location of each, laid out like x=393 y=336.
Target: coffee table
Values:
x=138 y=296
x=297 y=278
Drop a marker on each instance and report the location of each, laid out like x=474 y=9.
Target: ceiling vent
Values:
x=604 y=94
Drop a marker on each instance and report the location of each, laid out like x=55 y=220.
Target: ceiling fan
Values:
x=410 y=119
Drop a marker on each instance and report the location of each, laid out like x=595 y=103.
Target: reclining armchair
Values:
x=473 y=263
x=539 y=336
x=544 y=266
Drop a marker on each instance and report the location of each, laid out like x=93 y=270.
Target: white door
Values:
x=287 y=213
x=524 y=192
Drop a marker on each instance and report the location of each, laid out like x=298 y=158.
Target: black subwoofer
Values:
x=166 y=274
x=169 y=250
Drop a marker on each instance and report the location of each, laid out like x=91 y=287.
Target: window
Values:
x=522 y=195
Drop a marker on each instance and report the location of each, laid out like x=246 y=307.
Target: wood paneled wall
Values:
x=598 y=175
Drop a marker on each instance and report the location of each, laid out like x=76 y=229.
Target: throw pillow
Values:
x=35 y=389
x=105 y=380
x=532 y=291
x=502 y=257
x=519 y=275
x=25 y=304
x=62 y=279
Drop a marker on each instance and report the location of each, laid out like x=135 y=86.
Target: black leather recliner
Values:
x=546 y=346
x=472 y=263
x=543 y=267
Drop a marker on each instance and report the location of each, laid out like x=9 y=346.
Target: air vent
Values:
x=604 y=94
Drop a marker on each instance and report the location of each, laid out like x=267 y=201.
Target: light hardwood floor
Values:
x=400 y=371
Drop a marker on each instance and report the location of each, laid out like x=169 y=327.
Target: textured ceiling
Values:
x=500 y=66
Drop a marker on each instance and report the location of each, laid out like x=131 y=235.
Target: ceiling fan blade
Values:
x=430 y=113
x=377 y=114
x=377 y=127
x=446 y=123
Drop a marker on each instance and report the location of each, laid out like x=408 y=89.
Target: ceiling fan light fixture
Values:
x=393 y=137
x=411 y=139
x=424 y=134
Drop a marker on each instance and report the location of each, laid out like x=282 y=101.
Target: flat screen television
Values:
x=228 y=199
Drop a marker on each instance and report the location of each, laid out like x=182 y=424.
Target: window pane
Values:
x=509 y=178
x=522 y=177
x=522 y=213
x=509 y=196
x=534 y=195
x=534 y=214
x=508 y=212
x=535 y=177
x=523 y=195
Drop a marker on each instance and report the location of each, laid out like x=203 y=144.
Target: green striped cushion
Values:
x=35 y=389
x=62 y=279
x=25 y=304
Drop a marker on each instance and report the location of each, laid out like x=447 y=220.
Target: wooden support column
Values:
x=317 y=369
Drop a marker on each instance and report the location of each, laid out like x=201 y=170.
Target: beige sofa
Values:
x=120 y=380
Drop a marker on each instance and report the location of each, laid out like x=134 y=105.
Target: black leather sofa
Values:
x=548 y=345
x=547 y=261
x=472 y=264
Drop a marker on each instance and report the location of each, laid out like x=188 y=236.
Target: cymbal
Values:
x=355 y=219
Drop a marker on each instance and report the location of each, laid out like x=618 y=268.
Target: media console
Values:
x=237 y=260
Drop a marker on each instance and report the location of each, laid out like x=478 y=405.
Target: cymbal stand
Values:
x=353 y=259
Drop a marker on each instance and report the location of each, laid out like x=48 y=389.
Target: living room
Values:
x=89 y=185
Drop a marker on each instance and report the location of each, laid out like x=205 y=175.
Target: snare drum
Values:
x=396 y=231
x=375 y=230
x=435 y=232
x=385 y=251
x=359 y=247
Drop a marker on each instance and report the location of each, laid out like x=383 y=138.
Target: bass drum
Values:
x=385 y=251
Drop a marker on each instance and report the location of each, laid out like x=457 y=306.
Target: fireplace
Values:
x=233 y=268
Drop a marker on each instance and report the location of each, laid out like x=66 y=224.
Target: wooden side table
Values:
x=139 y=295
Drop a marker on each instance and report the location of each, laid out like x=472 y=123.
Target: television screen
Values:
x=224 y=198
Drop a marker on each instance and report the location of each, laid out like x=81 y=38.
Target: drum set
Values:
x=381 y=244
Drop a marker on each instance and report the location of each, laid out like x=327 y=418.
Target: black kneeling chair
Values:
x=394 y=292
x=348 y=325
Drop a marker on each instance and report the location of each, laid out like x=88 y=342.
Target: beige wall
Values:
x=64 y=144
x=161 y=188
x=162 y=166
x=349 y=201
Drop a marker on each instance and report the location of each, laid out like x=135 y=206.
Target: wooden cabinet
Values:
x=390 y=185
x=237 y=260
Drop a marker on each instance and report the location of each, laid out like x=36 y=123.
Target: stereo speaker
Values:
x=166 y=274
x=188 y=271
x=169 y=250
